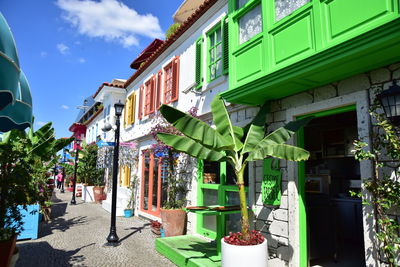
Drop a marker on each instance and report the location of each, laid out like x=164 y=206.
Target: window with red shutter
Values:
x=175 y=79
x=158 y=89
x=168 y=83
x=152 y=93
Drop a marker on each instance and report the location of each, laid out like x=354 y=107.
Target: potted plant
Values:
x=98 y=189
x=236 y=146
x=155 y=227
x=87 y=170
x=128 y=211
x=22 y=179
x=172 y=214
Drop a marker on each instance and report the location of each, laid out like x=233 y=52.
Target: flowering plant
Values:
x=155 y=224
x=256 y=238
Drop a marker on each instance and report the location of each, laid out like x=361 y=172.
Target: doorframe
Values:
x=361 y=98
x=301 y=180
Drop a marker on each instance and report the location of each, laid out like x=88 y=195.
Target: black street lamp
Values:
x=390 y=102
x=77 y=142
x=63 y=171
x=113 y=239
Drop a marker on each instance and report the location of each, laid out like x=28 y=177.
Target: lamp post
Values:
x=390 y=102
x=63 y=171
x=77 y=142
x=113 y=239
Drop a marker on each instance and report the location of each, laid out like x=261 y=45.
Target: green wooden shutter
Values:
x=225 y=46
x=199 y=74
x=271 y=184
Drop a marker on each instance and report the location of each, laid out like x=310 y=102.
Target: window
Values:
x=171 y=81
x=217 y=183
x=154 y=183
x=149 y=96
x=284 y=8
x=240 y=3
x=250 y=24
x=217 y=52
x=214 y=53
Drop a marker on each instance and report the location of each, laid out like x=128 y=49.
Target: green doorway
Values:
x=330 y=220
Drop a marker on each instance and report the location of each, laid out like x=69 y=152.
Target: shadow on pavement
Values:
x=43 y=254
x=135 y=230
x=60 y=224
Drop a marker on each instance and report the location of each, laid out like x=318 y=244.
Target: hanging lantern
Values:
x=390 y=102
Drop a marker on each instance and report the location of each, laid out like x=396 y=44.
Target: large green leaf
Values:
x=223 y=123
x=259 y=118
x=281 y=151
x=191 y=147
x=61 y=143
x=256 y=131
x=284 y=133
x=195 y=129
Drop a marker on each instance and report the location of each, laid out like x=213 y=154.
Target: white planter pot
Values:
x=244 y=256
x=87 y=194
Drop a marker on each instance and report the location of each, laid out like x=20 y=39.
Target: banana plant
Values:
x=235 y=145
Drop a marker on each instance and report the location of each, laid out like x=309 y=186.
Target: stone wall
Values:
x=275 y=223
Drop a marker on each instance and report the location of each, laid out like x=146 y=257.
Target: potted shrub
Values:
x=173 y=217
x=87 y=171
x=237 y=146
x=22 y=179
x=98 y=189
x=155 y=227
x=128 y=211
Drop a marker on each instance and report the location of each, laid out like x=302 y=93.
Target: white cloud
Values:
x=62 y=48
x=43 y=54
x=40 y=123
x=64 y=107
x=110 y=19
x=81 y=60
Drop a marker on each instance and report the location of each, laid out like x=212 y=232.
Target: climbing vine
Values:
x=384 y=187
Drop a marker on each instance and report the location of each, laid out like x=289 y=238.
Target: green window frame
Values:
x=214 y=53
x=222 y=189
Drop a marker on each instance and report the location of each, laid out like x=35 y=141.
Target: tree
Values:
x=235 y=145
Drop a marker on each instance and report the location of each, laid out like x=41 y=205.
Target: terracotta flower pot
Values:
x=98 y=192
x=7 y=248
x=173 y=222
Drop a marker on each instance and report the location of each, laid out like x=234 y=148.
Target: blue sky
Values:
x=68 y=48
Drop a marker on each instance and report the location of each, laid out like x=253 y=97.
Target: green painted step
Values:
x=188 y=250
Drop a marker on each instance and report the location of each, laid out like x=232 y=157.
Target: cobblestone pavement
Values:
x=76 y=234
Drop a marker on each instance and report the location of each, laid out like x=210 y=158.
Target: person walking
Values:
x=59 y=180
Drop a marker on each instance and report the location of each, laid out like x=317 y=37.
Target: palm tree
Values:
x=235 y=145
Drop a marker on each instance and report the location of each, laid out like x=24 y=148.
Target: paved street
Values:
x=76 y=235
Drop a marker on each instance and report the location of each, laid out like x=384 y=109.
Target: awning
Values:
x=18 y=115
x=9 y=65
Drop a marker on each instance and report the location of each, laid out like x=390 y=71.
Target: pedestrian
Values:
x=59 y=180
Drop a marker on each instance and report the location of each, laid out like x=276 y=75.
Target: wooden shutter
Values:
x=129 y=110
x=147 y=97
x=158 y=90
x=152 y=93
x=225 y=46
x=133 y=107
x=125 y=112
x=175 y=79
x=140 y=111
x=199 y=76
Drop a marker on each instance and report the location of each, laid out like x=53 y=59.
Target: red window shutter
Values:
x=140 y=111
x=147 y=98
x=158 y=89
x=152 y=94
x=175 y=79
